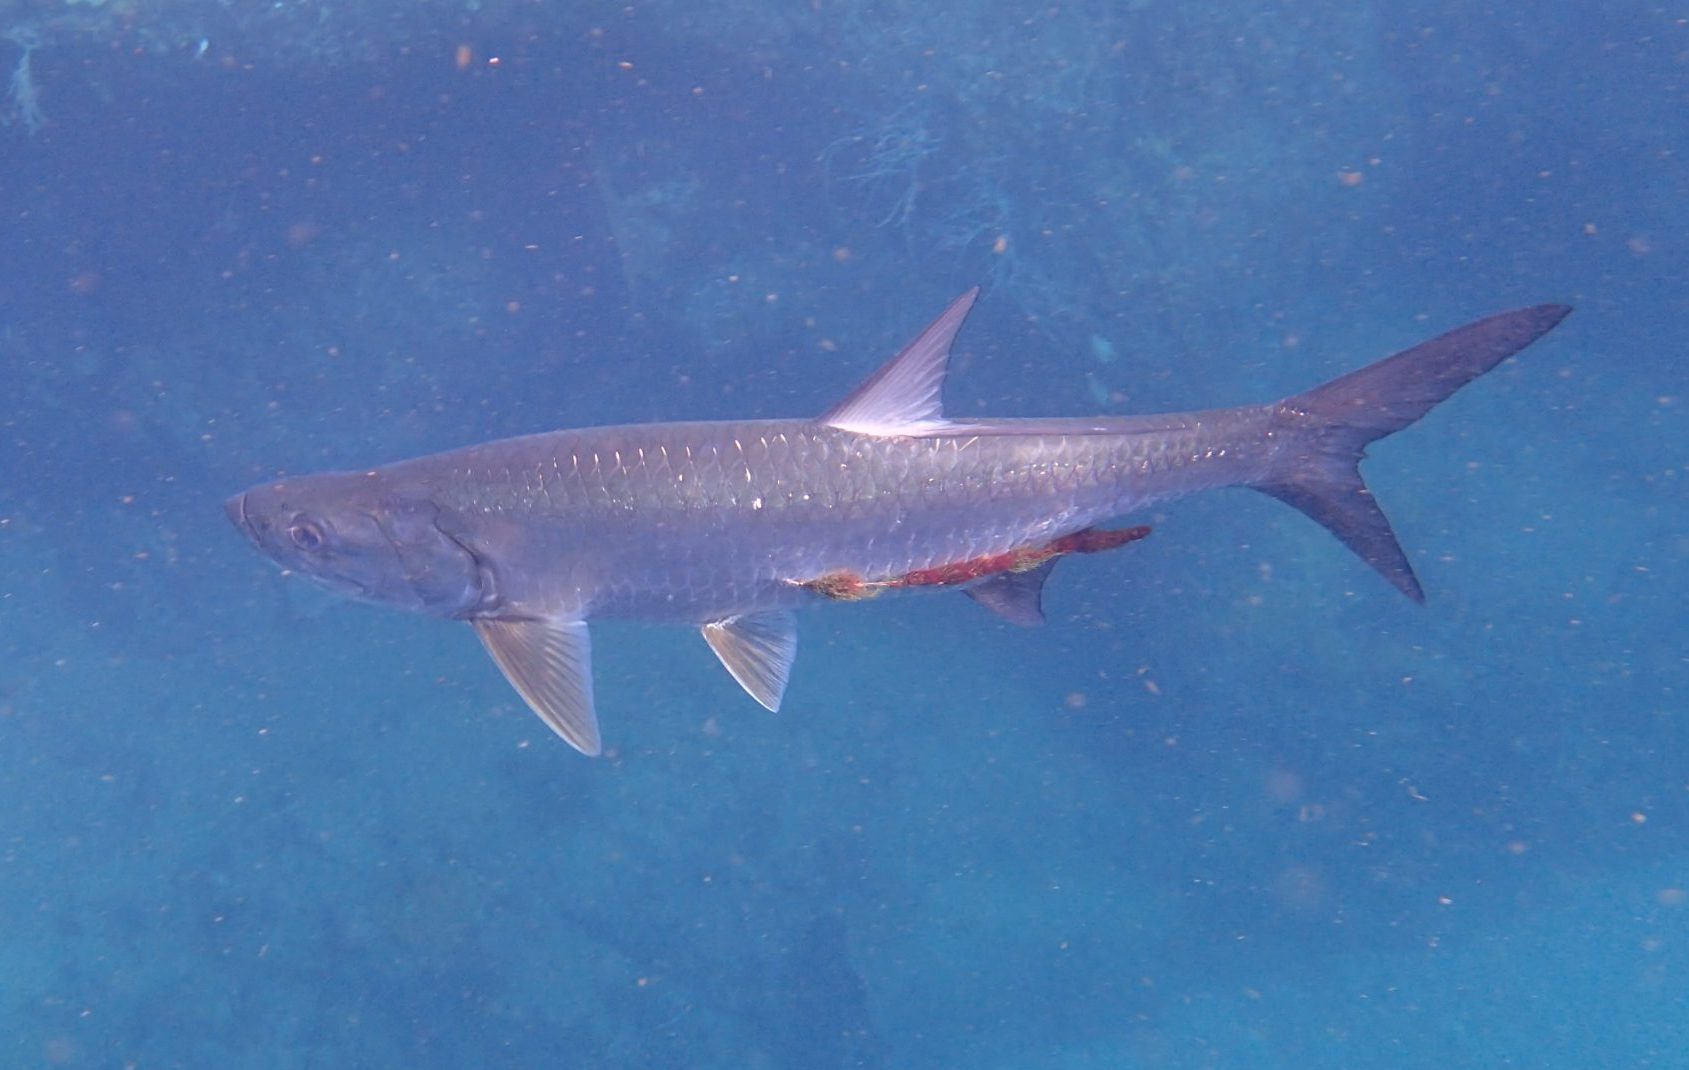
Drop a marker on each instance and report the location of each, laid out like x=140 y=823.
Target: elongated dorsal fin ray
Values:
x=1017 y=597
x=549 y=662
x=905 y=397
x=757 y=648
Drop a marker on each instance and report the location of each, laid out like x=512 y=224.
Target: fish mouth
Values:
x=235 y=509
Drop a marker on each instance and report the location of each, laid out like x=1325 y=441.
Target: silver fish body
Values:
x=697 y=522
x=731 y=525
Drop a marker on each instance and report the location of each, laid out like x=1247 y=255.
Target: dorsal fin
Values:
x=905 y=397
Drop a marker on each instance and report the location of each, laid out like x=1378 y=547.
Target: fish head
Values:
x=357 y=535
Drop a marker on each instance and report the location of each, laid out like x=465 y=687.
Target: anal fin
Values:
x=549 y=662
x=1014 y=589
x=1017 y=597
x=757 y=648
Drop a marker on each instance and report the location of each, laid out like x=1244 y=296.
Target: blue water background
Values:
x=1238 y=804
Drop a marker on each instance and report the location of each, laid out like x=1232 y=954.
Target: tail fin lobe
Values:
x=1331 y=425
x=1342 y=505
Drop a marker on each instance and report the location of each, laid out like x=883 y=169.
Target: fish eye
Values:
x=306 y=534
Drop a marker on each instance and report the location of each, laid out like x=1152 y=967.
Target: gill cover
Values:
x=346 y=531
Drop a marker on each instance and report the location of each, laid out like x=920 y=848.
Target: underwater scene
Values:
x=1236 y=802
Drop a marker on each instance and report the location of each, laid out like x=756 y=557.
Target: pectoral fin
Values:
x=757 y=649
x=549 y=662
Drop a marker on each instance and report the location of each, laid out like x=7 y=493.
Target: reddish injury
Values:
x=849 y=587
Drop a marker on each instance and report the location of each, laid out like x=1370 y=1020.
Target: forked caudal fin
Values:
x=1330 y=426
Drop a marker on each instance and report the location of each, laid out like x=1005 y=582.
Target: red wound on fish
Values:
x=1095 y=540
x=840 y=586
x=849 y=587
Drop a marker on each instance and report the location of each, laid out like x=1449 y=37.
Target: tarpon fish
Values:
x=730 y=526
